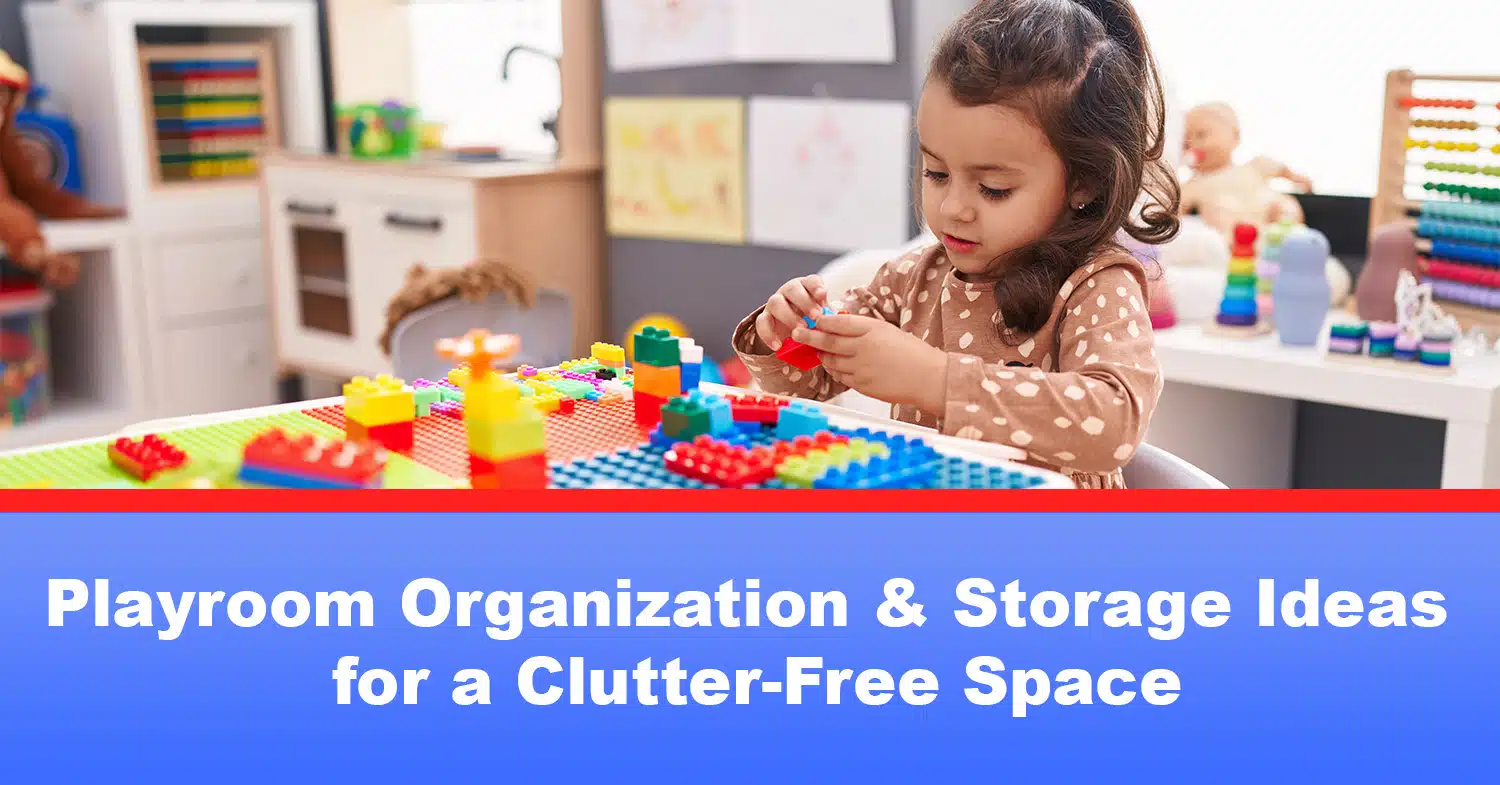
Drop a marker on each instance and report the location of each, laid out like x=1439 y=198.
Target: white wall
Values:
x=1308 y=76
x=457 y=47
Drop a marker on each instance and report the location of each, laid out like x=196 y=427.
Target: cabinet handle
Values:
x=323 y=211
x=408 y=222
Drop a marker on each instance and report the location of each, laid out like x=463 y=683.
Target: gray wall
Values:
x=13 y=33
x=711 y=287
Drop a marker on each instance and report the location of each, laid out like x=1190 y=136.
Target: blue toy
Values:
x=50 y=141
x=800 y=418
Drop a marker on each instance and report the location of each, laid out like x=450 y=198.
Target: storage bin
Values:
x=25 y=386
x=379 y=131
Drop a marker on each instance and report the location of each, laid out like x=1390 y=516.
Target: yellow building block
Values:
x=459 y=376
x=523 y=435
x=608 y=354
x=379 y=401
x=661 y=382
x=491 y=398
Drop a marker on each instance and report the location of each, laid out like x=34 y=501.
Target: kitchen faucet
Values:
x=550 y=124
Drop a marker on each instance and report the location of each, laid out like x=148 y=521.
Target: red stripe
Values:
x=1352 y=501
x=1463 y=273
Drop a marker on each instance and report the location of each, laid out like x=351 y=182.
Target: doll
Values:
x=26 y=197
x=1224 y=194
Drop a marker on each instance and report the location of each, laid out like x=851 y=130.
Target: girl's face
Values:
x=991 y=182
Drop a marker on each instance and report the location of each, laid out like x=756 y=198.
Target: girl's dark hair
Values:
x=1085 y=73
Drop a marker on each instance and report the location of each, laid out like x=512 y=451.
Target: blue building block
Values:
x=691 y=374
x=800 y=418
x=279 y=478
x=720 y=412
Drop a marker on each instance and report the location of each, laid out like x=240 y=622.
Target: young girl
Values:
x=1041 y=127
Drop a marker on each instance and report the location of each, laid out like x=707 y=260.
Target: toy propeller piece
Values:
x=480 y=349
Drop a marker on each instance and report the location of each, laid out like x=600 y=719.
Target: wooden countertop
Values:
x=436 y=166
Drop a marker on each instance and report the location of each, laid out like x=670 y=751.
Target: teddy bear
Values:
x=26 y=197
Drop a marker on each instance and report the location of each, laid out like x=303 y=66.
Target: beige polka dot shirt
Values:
x=1077 y=396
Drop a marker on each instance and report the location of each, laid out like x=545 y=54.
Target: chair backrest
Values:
x=546 y=331
x=1153 y=467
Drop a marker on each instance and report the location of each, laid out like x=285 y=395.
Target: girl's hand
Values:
x=879 y=359
x=783 y=313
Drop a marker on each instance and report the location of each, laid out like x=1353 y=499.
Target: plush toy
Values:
x=1224 y=194
x=26 y=196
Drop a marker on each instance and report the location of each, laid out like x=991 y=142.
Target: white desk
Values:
x=1229 y=405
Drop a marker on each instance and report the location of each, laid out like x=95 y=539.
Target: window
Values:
x=458 y=50
x=1307 y=77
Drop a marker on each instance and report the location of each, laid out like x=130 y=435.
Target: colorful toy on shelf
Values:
x=210 y=114
x=278 y=459
x=1301 y=288
x=50 y=142
x=1421 y=337
x=1433 y=184
x=1226 y=194
x=1239 y=316
x=147 y=457
x=380 y=410
x=1393 y=248
x=25 y=387
x=387 y=130
x=1269 y=265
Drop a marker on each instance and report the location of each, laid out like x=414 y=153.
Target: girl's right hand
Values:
x=785 y=310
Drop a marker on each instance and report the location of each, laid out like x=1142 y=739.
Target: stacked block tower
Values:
x=1268 y=266
x=1239 y=311
x=382 y=410
x=507 y=437
x=657 y=373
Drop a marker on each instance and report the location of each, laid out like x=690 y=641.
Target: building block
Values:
x=648 y=408
x=608 y=354
x=425 y=397
x=800 y=418
x=658 y=381
x=396 y=436
x=307 y=461
x=503 y=440
x=146 y=458
x=692 y=363
x=528 y=472
x=655 y=346
x=450 y=409
x=760 y=409
x=720 y=412
x=379 y=401
x=718 y=463
x=684 y=419
x=798 y=355
x=566 y=406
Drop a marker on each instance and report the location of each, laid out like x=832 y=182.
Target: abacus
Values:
x=211 y=110
x=1440 y=174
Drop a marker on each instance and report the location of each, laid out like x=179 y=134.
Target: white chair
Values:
x=1155 y=468
x=546 y=331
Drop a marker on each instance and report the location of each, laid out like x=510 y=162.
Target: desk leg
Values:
x=1471 y=455
x=1245 y=440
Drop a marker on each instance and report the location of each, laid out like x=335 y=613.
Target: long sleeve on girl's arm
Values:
x=1091 y=414
x=883 y=298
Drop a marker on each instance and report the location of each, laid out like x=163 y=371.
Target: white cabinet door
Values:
x=309 y=226
x=390 y=237
x=215 y=368
x=200 y=277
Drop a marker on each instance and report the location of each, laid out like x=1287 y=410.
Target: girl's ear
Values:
x=1082 y=196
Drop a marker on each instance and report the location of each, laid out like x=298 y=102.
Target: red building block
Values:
x=517 y=474
x=308 y=455
x=762 y=409
x=396 y=436
x=648 y=408
x=798 y=355
x=718 y=463
x=565 y=406
x=146 y=458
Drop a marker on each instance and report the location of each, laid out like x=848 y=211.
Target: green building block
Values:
x=684 y=419
x=426 y=397
x=655 y=346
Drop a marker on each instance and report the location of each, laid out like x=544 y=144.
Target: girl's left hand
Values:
x=879 y=359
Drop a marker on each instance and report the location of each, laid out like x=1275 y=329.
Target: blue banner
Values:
x=715 y=647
